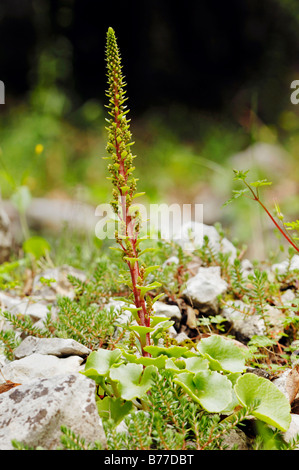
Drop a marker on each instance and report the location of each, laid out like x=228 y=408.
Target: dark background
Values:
x=208 y=87
x=206 y=54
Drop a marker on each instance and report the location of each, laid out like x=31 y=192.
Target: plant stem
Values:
x=124 y=186
x=256 y=198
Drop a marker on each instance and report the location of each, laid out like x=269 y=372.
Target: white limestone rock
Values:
x=41 y=366
x=293 y=430
x=203 y=289
x=6 y=238
x=281 y=268
x=165 y=310
x=24 y=306
x=59 y=347
x=244 y=322
x=58 y=282
x=33 y=413
x=191 y=236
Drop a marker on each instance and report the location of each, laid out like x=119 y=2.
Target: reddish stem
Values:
x=256 y=198
x=129 y=224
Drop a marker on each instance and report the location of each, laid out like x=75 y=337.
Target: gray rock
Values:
x=40 y=366
x=269 y=157
x=59 y=347
x=6 y=239
x=160 y=309
x=33 y=413
x=246 y=267
x=235 y=439
x=281 y=268
x=202 y=289
x=125 y=316
x=181 y=337
x=58 y=283
x=275 y=318
x=171 y=260
x=293 y=430
x=280 y=382
x=53 y=214
x=191 y=236
x=259 y=372
x=287 y=297
x=243 y=321
x=165 y=310
x=24 y=306
x=172 y=333
x=3 y=360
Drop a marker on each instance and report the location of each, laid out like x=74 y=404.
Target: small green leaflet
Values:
x=259 y=183
x=236 y=194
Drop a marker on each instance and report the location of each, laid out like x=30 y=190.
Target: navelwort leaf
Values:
x=133 y=380
x=159 y=361
x=114 y=409
x=99 y=362
x=36 y=246
x=172 y=351
x=222 y=354
x=274 y=407
x=211 y=390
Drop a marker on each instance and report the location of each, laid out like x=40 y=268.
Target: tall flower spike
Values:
x=121 y=169
x=119 y=135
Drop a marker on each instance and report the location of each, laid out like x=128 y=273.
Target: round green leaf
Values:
x=196 y=364
x=173 y=366
x=233 y=377
x=222 y=354
x=273 y=408
x=99 y=362
x=114 y=408
x=133 y=380
x=36 y=246
x=159 y=361
x=211 y=390
x=172 y=351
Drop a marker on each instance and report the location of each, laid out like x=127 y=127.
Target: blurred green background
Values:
x=208 y=87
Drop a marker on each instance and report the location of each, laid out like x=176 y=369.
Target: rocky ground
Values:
x=42 y=389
